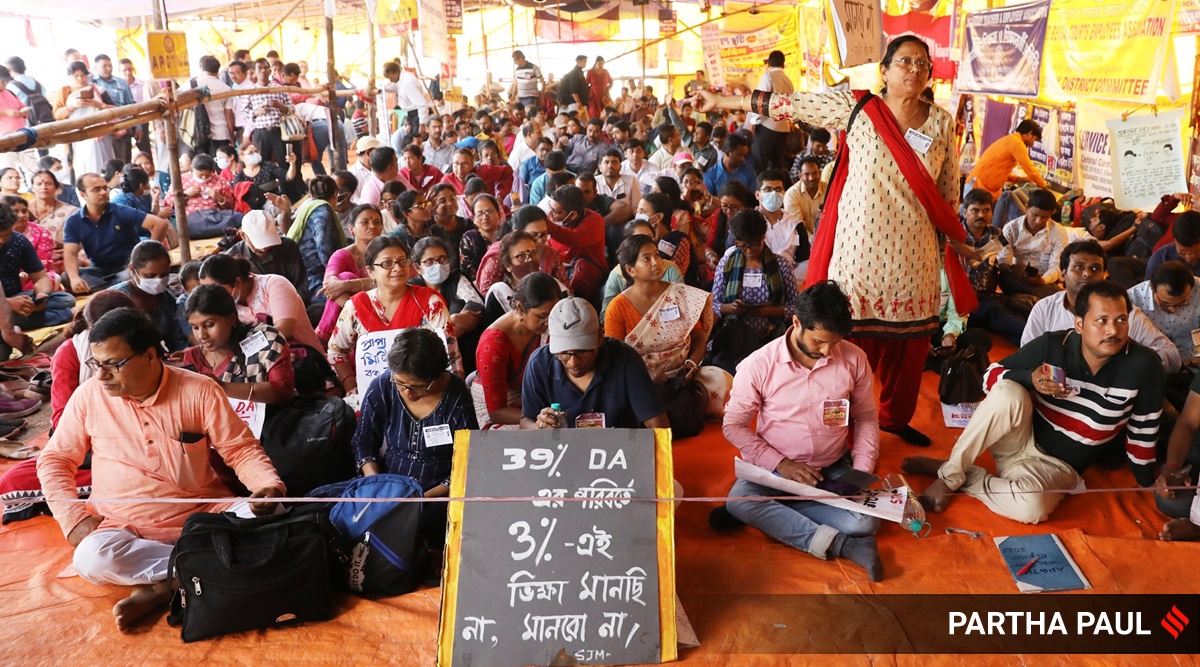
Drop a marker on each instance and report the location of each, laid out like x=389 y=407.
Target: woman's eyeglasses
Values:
x=910 y=64
x=389 y=264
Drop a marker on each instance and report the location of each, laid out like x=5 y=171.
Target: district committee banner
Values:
x=1004 y=50
x=1111 y=50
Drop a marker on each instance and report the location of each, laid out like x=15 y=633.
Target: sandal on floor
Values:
x=39 y=385
x=18 y=451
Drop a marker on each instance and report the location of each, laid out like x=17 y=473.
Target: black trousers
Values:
x=270 y=144
x=769 y=147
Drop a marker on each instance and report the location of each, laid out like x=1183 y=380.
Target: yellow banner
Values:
x=396 y=17
x=168 y=54
x=1113 y=51
x=747 y=40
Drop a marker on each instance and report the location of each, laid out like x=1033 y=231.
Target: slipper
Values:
x=18 y=451
x=9 y=431
x=14 y=387
x=37 y=360
x=40 y=384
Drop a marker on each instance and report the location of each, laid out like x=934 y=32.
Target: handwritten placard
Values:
x=1147 y=157
x=370 y=357
x=857 y=31
x=585 y=576
x=251 y=412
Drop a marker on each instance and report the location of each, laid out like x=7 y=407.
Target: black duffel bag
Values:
x=686 y=404
x=308 y=442
x=962 y=376
x=238 y=574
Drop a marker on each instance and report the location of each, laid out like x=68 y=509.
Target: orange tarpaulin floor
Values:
x=47 y=618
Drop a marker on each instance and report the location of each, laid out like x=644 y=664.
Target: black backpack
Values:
x=41 y=111
x=308 y=441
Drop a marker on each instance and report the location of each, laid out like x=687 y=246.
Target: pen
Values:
x=1028 y=565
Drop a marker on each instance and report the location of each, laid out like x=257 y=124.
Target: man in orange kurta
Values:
x=149 y=428
x=992 y=170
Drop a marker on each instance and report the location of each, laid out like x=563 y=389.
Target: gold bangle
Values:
x=742 y=104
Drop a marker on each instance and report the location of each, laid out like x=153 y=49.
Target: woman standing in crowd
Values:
x=432 y=262
x=259 y=371
x=149 y=270
x=445 y=215
x=409 y=416
x=505 y=347
x=263 y=296
x=751 y=283
x=316 y=229
x=476 y=241
x=68 y=367
x=413 y=220
x=42 y=242
x=667 y=323
x=883 y=189
x=78 y=99
x=393 y=304
x=347 y=273
x=47 y=210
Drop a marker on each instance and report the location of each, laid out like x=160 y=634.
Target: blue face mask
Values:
x=771 y=201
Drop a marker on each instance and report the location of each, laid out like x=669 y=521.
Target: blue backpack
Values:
x=381 y=540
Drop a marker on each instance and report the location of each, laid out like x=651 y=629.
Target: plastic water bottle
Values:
x=914 y=513
x=559 y=415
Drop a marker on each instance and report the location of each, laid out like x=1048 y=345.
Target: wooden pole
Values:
x=287 y=12
x=171 y=120
x=339 y=156
x=372 y=122
x=643 y=47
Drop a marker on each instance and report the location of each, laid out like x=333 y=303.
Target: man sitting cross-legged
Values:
x=790 y=411
x=1044 y=426
x=150 y=428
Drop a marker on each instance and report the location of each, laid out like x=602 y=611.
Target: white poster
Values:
x=857 y=26
x=887 y=505
x=1095 y=163
x=710 y=42
x=370 y=357
x=251 y=412
x=1148 y=154
x=431 y=22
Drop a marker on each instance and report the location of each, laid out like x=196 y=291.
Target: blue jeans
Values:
x=57 y=311
x=806 y=525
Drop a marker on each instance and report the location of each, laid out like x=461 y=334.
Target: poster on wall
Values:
x=1147 y=157
x=1041 y=152
x=431 y=21
x=1111 y=51
x=968 y=150
x=454 y=17
x=1004 y=50
x=745 y=42
x=1091 y=136
x=710 y=41
x=815 y=34
x=1063 y=171
x=1194 y=168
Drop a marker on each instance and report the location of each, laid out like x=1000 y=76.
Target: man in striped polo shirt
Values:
x=1054 y=407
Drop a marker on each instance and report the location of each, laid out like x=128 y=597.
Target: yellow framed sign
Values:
x=582 y=572
x=168 y=54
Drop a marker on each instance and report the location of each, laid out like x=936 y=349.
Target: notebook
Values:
x=1054 y=569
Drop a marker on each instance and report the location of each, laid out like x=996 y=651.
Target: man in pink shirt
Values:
x=150 y=428
x=809 y=390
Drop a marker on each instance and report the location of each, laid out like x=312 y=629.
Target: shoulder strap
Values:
x=23 y=87
x=841 y=152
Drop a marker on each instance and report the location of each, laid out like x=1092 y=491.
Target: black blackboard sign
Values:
x=584 y=575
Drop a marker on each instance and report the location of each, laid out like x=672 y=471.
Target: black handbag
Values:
x=686 y=403
x=962 y=376
x=236 y=574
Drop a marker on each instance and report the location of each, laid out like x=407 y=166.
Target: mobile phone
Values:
x=37 y=301
x=288 y=148
x=840 y=488
x=473 y=307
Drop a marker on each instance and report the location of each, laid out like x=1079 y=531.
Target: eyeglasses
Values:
x=574 y=354
x=743 y=246
x=909 y=63
x=389 y=264
x=490 y=213
x=113 y=367
x=539 y=236
x=527 y=256
x=731 y=210
x=768 y=188
x=417 y=390
x=435 y=260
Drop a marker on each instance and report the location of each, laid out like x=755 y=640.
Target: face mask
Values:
x=253 y=159
x=62 y=175
x=436 y=275
x=519 y=271
x=152 y=286
x=772 y=201
x=222 y=162
x=642 y=217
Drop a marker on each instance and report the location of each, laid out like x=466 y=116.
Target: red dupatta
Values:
x=940 y=213
x=408 y=312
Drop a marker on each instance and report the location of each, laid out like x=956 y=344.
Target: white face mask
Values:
x=62 y=175
x=152 y=286
x=436 y=275
x=771 y=201
x=222 y=162
x=252 y=159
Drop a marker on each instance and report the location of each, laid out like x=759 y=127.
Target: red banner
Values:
x=936 y=31
x=593 y=26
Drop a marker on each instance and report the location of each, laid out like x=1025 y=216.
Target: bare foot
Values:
x=142 y=601
x=922 y=465
x=936 y=497
x=1179 y=530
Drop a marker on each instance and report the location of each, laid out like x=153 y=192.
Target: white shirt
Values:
x=1051 y=314
x=238 y=104
x=520 y=152
x=220 y=129
x=1177 y=326
x=411 y=94
x=782 y=237
x=645 y=176
x=362 y=174
x=1040 y=250
x=308 y=112
x=773 y=81
x=626 y=189
x=663 y=161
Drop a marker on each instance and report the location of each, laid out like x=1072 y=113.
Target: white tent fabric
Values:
x=99 y=10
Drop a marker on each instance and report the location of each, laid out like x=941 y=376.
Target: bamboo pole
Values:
x=171 y=119
x=372 y=118
x=266 y=33
x=339 y=156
